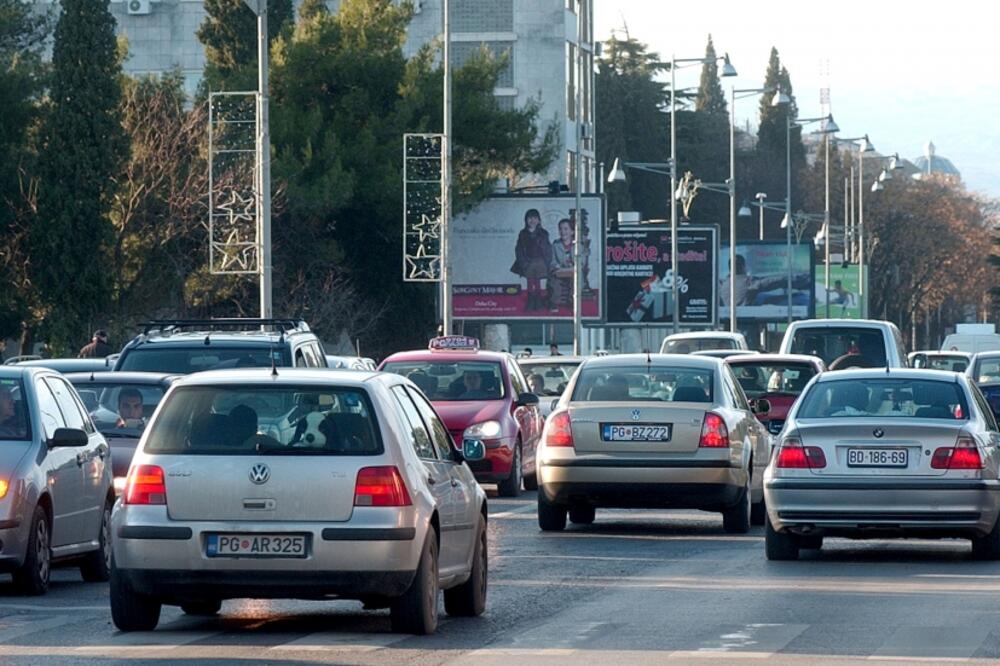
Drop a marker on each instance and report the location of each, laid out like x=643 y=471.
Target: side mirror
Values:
x=527 y=400
x=64 y=437
x=473 y=450
x=760 y=406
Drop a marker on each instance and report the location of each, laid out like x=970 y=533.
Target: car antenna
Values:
x=274 y=365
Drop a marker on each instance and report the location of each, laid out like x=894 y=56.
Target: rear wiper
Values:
x=279 y=448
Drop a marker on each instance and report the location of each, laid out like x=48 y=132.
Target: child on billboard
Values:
x=532 y=257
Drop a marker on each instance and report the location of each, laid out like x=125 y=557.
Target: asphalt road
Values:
x=637 y=587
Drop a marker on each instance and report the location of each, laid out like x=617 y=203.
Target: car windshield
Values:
x=247 y=420
x=758 y=379
x=642 y=383
x=688 y=345
x=884 y=398
x=548 y=379
x=842 y=347
x=950 y=363
x=987 y=370
x=119 y=407
x=14 y=421
x=184 y=361
x=453 y=380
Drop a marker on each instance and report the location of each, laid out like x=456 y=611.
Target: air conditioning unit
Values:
x=138 y=7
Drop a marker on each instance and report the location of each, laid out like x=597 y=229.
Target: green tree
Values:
x=310 y=8
x=22 y=35
x=229 y=33
x=82 y=151
x=710 y=97
x=343 y=95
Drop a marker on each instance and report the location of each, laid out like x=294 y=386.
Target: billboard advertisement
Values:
x=512 y=258
x=638 y=276
x=845 y=300
x=762 y=281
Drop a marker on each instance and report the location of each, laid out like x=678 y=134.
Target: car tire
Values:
x=582 y=514
x=531 y=481
x=96 y=567
x=551 y=517
x=203 y=608
x=469 y=598
x=987 y=547
x=32 y=577
x=131 y=611
x=779 y=546
x=758 y=512
x=416 y=610
x=511 y=486
x=736 y=519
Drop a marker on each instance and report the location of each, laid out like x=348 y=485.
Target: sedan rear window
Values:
x=688 y=345
x=251 y=420
x=842 y=347
x=640 y=383
x=885 y=398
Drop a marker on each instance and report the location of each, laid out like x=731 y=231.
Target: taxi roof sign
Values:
x=454 y=343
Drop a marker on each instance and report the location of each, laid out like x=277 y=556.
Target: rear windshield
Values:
x=245 y=420
x=639 y=383
x=14 y=421
x=453 y=380
x=697 y=344
x=987 y=370
x=549 y=379
x=184 y=361
x=119 y=406
x=843 y=347
x=941 y=362
x=885 y=398
x=758 y=379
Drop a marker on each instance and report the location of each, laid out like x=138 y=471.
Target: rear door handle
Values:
x=431 y=480
x=454 y=483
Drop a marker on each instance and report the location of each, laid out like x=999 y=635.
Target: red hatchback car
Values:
x=479 y=395
x=777 y=378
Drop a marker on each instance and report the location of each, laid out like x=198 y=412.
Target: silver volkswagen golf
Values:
x=296 y=483
x=876 y=454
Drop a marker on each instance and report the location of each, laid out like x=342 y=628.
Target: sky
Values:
x=903 y=72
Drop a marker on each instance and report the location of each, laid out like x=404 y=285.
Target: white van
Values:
x=685 y=343
x=847 y=343
x=971 y=342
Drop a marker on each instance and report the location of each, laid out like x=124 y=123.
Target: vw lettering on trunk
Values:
x=260 y=473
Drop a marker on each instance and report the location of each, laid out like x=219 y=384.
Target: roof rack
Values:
x=223 y=324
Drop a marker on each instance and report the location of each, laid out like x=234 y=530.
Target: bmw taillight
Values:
x=792 y=455
x=380 y=486
x=559 y=430
x=964 y=455
x=145 y=485
x=714 y=433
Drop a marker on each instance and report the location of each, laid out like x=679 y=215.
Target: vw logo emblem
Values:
x=260 y=473
x=878 y=432
x=635 y=415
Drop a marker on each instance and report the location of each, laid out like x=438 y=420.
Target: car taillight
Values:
x=714 y=433
x=559 y=430
x=964 y=455
x=380 y=486
x=792 y=455
x=145 y=485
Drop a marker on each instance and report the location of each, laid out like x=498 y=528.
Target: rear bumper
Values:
x=961 y=508
x=173 y=585
x=655 y=484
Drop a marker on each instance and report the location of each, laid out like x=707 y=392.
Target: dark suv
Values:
x=181 y=347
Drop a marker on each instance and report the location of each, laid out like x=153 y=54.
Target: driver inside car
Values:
x=130 y=409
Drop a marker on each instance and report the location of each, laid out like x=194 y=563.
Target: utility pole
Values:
x=263 y=159
x=446 y=177
x=578 y=187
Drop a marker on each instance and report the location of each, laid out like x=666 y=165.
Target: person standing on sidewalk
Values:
x=98 y=346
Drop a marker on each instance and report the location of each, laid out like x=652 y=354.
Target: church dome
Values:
x=932 y=163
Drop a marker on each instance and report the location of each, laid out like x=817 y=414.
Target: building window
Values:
x=479 y=16
x=571 y=81
x=462 y=52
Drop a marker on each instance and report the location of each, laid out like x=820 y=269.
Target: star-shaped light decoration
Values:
x=427 y=228
x=423 y=266
x=239 y=208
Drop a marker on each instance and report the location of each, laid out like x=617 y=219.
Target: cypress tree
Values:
x=83 y=148
x=229 y=34
x=710 y=97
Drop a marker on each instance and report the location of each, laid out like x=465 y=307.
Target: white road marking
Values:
x=329 y=640
x=54 y=609
x=761 y=640
x=10 y=631
x=512 y=512
x=149 y=640
x=956 y=642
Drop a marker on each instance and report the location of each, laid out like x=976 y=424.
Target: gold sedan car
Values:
x=651 y=431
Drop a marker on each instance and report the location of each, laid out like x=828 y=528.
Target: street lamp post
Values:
x=864 y=146
x=727 y=70
x=761 y=197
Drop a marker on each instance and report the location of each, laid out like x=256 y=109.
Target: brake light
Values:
x=792 y=455
x=145 y=485
x=559 y=430
x=380 y=486
x=714 y=433
x=964 y=455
